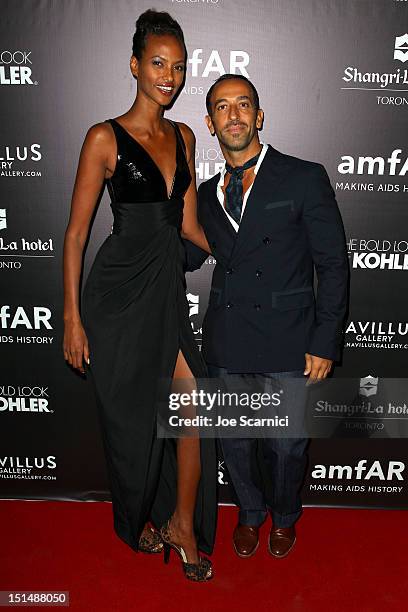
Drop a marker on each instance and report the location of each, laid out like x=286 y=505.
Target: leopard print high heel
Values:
x=150 y=541
x=198 y=572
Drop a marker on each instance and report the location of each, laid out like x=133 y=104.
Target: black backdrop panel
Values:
x=333 y=82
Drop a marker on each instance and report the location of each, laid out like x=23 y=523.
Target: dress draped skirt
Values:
x=136 y=317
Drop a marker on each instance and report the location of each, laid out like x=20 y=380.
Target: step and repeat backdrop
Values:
x=333 y=82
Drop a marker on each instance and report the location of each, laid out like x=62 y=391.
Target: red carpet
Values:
x=344 y=560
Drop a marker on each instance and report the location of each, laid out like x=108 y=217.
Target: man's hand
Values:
x=317 y=367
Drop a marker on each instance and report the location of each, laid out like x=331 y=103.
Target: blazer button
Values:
x=229 y=304
x=257 y=306
x=259 y=273
x=230 y=270
x=266 y=240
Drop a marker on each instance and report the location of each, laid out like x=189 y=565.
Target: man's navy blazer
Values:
x=262 y=314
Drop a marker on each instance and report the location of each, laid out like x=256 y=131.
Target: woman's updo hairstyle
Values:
x=158 y=23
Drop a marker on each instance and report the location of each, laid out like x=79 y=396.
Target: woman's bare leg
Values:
x=188 y=473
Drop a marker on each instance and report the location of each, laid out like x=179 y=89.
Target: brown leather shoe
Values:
x=245 y=540
x=281 y=541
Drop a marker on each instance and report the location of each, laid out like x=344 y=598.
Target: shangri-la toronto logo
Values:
x=368 y=386
x=194 y=309
x=193 y=302
x=3 y=219
x=401 y=48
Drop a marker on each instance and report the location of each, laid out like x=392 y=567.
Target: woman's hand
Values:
x=76 y=348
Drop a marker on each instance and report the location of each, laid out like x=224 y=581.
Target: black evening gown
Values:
x=135 y=314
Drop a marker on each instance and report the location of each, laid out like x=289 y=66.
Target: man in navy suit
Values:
x=271 y=221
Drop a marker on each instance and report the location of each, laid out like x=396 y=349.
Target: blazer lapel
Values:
x=271 y=173
x=218 y=225
x=219 y=215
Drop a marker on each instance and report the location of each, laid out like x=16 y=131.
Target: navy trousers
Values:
x=267 y=473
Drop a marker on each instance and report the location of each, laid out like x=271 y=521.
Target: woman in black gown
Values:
x=135 y=327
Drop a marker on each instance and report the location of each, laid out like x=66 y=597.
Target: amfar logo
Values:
x=37 y=318
x=374 y=165
x=237 y=62
x=3 y=219
x=391 y=470
x=401 y=48
x=14 y=68
x=193 y=303
x=368 y=386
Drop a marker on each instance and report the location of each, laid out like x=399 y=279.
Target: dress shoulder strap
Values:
x=179 y=136
x=116 y=128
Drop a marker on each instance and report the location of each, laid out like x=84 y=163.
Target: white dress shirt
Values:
x=220 y=193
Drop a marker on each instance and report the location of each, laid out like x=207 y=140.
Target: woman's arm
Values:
x=92 y=168
x=191 y=229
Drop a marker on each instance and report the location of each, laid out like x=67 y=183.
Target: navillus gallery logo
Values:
x=368 y=386
x=24 y=398
x=20 y=324
x=211 y=64
x=28 y=468
x=376 y=254
x=19 y=160
x=377 y=335
x=384 y=81
x=15 y=68
x=401 y=48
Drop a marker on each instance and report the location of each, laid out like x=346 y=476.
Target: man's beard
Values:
x=230 y=145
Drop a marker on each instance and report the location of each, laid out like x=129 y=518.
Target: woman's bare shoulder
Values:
x=100 y=133
x=99 y=141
